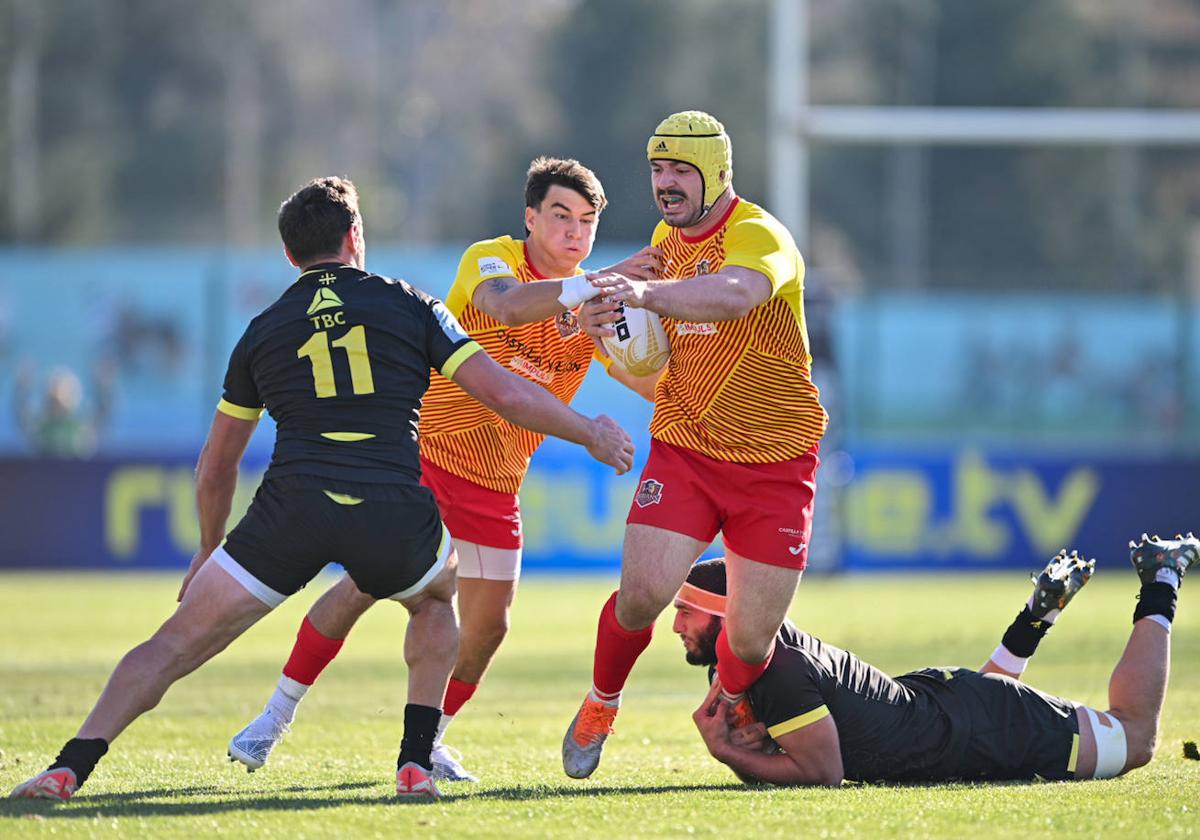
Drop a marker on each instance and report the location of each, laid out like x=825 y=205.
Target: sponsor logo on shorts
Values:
x=688 y=328
x=494 y=265
x=794 y=550
x=649 y=493
x=791 y=532
x=530 y=370
x=567 y=323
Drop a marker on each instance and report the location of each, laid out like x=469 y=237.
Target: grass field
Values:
x=168 y=776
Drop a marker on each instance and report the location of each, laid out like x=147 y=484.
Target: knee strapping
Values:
x=1111 y=746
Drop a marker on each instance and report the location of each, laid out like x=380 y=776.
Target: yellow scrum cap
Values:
x=699 y=139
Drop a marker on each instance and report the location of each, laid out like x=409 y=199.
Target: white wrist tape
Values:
x=576 y=290
x=1009 y=661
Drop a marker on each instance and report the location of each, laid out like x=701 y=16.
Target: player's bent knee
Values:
x=1140 y=750
x=749 y=647
x=638 y=608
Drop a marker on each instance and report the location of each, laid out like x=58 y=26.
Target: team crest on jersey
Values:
x=567 y=324
x=702 y=267
x=649 y=493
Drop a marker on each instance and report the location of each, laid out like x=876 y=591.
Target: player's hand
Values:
x=594 y=318
x=197 y=561
x=606 y=283
x=611 y=444
x=633 y=293
x=646 y=264
x=752 y=737
x=713 y=722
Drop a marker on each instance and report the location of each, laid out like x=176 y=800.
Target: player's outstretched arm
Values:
x=812 y=754
x=216 y=481
x=710 y=297
x=525 y=404
x=514 y=303
x=1053 y=589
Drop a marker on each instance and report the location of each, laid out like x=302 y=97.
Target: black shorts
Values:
x=1013 y=731
x=388 y=537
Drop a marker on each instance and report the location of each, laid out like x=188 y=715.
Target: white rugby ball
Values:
x=640 y=345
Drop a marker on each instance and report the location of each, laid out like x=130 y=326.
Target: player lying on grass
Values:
x=341 y=361
x=824 y=715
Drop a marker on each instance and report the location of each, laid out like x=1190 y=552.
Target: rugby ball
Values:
x=640 y=345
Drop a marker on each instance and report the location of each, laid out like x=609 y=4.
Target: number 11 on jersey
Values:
x=354 y=342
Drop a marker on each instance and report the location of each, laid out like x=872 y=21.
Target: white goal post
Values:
x=794 y=123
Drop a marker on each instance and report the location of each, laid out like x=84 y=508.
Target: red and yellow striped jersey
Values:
x=459 y=434
x=739 y=390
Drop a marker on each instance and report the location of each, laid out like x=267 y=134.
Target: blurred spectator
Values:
x=148 y=344
x=63 y=427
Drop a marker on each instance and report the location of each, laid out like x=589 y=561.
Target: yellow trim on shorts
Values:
x=347 y=437
x=798 y=722
x=1074 y=753
x=458 y=357
x=343 y=498
x=238 y=411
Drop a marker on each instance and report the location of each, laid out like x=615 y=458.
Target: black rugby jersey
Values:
x=932 y=724
x=888 y=729
x=341 y=362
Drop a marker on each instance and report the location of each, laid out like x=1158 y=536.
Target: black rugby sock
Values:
x=1156 y=599
x=1023 y=635
x=420 y=728
x=81 y=756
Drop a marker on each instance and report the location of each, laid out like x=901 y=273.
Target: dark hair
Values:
x=545 y=172
x=709 y=575
x=314 y=220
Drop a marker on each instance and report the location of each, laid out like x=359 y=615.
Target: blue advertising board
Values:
x=957 y=508
x=968 y=508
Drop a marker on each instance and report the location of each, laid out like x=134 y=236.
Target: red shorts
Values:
x=471 y=512
x=764 y=511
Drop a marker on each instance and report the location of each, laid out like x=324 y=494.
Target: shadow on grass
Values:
x=217 y=800
x=212 y=799
x=570 y=791
x=142 y=803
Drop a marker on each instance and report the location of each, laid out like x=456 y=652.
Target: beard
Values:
x=705 y=652
x=691 y=220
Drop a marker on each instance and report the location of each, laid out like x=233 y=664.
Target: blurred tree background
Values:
x=164 y=121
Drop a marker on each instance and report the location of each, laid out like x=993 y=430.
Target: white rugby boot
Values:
x=447 y=765
x=252 y=746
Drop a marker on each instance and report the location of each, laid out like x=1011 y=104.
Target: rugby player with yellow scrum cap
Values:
x=736 y=425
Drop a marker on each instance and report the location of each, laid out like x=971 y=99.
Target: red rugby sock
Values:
x=311 y=653
x=616 y=650
x=457 y=695
x=736 y=675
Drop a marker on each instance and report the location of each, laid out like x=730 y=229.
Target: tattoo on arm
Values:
x=500 y=285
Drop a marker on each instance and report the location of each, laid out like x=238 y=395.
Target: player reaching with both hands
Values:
x=824 y=715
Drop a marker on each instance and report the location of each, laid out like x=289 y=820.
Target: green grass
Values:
x=168 y=776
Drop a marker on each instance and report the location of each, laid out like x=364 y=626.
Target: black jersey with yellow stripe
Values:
x=889 y=728
x=341 y=361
